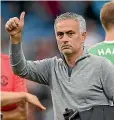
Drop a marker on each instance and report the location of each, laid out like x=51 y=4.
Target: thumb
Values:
x=22 y=18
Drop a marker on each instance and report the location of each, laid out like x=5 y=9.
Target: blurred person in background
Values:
x=93 y=36
x=12 y=83
x=78 y=80
x=106 y=48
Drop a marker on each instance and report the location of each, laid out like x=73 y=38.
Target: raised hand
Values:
x=14 y=27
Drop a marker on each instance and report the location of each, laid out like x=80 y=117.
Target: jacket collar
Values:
x=83 y=56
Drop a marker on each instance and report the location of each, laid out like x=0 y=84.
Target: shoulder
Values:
x=100 y=61
x=97 y=59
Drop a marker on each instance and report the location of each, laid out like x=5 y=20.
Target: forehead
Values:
x=66 y=25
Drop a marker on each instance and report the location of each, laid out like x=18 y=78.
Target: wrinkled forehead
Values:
x=66 y=25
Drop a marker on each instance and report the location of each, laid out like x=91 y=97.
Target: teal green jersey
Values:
x=105 y=49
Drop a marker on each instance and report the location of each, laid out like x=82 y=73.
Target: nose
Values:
x=65 y=38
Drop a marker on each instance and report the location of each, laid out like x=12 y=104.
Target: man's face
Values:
x=69 y=38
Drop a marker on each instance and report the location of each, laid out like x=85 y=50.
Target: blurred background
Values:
x=39 y=40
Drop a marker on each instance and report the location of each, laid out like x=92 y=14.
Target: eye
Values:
x=70 y=34
x=60 y=34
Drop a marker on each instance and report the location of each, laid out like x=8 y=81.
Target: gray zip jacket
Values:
x=90 y=83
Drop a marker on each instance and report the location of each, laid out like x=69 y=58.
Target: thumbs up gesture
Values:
x=14 y=28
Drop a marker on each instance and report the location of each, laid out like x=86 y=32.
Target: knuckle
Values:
x=6 y=26
x=11 y=20
x=16 y=19
x=8 y=23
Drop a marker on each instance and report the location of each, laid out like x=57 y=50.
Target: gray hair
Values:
x=74 y=16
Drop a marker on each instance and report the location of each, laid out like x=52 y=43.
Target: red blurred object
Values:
x=8 y=107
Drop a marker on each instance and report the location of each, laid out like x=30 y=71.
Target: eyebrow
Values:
x=59 y=32
x=70 y=31
x=65 y=32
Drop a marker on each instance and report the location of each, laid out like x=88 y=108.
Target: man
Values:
x=106 y=48
x=78 y=80
x=12 y=83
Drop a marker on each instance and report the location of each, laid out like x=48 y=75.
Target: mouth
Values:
x=66 y=47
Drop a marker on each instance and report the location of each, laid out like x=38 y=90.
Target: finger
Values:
x=9 y=23
x=12 y=23
x=22 y=18
x=43 y=108
x=16 y=20
x=17 y=23
x=39 y=105
x=7 y=27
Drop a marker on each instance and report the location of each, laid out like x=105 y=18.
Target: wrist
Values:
x=15 y=39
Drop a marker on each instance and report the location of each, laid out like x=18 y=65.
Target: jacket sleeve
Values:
x=107 y=78
x=38 y=71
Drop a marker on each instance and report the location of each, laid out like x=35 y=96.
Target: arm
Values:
x=38 y=71
x=107 y=78
x=8 y=98
x=16 y=97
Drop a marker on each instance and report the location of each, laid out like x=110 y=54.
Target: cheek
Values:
x=59 y=41
x=77 y=37
x=76 y=41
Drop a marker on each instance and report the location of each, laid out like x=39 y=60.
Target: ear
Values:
x=84 y=34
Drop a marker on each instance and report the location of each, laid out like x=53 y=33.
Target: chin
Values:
x=67 y=52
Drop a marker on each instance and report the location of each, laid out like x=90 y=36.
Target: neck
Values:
x=109 y=35
x=71 y=59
